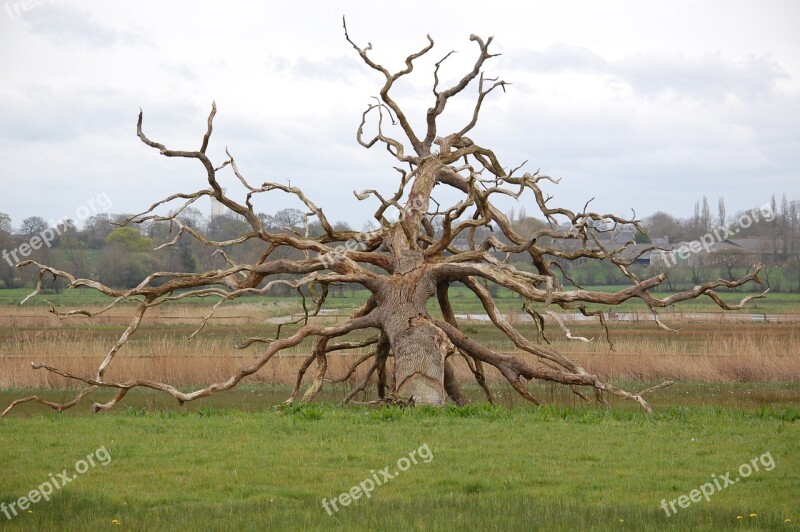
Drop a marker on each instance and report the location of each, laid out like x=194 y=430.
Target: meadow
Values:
x=462 y=299
x=242 y=460
x=492 y=468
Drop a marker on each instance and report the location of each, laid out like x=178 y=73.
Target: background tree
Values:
x=732 y=260
x=191 y=217
x=705 y=216
x=130 y=240
x=403 y=265
x=288 y=219
x=5 y=222
x=791 y=240
x=96 y=229
x=642 y=238
x=126 y=260
x=663 y=225
x=8 y=274
x=33 y=225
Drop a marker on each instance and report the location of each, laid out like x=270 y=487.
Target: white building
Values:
x=217 y=208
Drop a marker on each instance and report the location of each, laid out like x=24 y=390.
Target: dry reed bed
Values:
x=704 y=351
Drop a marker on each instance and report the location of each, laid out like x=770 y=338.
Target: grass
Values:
x=492 y=468
x=256 y=397
x=83 y=296
x=462 y=299
x=775 y=303
x=77 y=297
x=239 y=461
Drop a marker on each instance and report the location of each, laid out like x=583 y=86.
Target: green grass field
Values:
x=216 y=466
x=462 y=299
x=239 y=461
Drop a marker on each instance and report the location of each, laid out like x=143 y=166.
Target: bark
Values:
x=420 y=348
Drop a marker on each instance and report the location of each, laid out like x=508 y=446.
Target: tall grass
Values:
x=705 y=352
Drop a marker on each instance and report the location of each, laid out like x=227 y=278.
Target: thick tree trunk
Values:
x=419 y=356
x=419 y=346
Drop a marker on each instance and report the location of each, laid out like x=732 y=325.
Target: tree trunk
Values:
x=420 y=347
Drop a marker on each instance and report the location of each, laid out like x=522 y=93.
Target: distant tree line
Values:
x=741 y=240
x=123 y=256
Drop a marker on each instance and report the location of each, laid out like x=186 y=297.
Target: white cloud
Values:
x=704 y=76
x=67 y=24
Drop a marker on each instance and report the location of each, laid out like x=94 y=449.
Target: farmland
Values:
x=241 y=460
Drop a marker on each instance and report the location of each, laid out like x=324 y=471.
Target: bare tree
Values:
x=732 y=259
x=97 y=228
x=5 y=222
x=33 y=225
x=791 y=239
x=705 y=217
x=403 y=264
x=663 y=225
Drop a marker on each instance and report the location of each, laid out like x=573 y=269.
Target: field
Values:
x=240 y=460
x=463 y=301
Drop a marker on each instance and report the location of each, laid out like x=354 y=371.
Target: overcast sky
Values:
x=644 y=105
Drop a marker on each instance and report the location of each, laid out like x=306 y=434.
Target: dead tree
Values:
x=404 y=264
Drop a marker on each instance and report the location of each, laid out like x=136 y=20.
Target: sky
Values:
x=640 y=105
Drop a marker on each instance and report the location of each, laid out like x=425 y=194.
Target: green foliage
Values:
x=387 y=413
x=304 y=411
x=642 y=238
x=130 y=239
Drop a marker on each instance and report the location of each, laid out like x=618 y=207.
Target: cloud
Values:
x=704 y=76
x=37 y=113
x=182 y=71
x=41 y=114
x=612 y=112
x=559 y=57
x=339 y=68
x=66 y=23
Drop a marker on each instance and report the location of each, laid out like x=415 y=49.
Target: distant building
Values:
x=760 y=248
x=624 y=236
x=217 y=208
